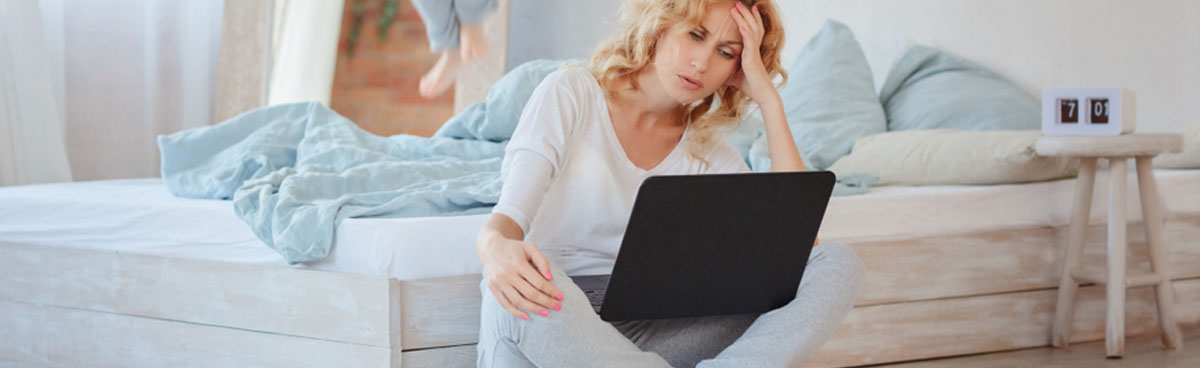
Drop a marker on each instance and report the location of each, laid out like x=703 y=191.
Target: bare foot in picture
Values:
x=437 y=80
x=471 y=42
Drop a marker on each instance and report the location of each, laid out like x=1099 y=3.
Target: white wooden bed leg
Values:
x=1067 y=287
x=1152 y=219
x=1117 y=192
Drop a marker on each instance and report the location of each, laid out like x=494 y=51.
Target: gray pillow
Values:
x=930 y=89
x=829 y=100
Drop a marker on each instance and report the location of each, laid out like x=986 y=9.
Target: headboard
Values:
x=1149 y=47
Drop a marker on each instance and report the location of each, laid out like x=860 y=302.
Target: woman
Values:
x=586 y=140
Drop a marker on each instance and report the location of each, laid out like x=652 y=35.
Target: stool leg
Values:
x=1064 y=311
x=1152 y=219
x=1115 y=328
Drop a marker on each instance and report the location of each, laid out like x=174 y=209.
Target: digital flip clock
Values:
x=1088 y=111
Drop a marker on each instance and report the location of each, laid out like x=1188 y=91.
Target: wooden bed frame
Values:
x=924 y=298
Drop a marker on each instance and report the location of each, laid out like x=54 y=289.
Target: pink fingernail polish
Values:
x=549 y=276
x=545 y=313
x=558 y=307
x=524 y=317
x=559 y=298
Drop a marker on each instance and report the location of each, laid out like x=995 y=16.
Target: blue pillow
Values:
x=747 y=133
x=930 y=89
x=495 y=118
x=829 y=100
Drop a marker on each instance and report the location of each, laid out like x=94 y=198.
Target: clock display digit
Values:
x=1068 y=111
x=1098 y=110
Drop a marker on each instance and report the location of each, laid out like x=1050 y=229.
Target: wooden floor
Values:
x=1142 y=351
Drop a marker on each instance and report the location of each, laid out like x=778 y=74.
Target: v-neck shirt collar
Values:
x=615 y=143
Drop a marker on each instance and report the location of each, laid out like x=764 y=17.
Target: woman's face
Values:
x=692 y=62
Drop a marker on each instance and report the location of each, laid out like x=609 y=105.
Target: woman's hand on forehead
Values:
x=752 y=79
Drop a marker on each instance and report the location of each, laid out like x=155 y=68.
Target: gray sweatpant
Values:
x=577 y=337
x=443 y=16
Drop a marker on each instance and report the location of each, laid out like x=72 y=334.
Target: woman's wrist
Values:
x=498 y=229
x=485 y=244
x=772 y=110
x=771 y=101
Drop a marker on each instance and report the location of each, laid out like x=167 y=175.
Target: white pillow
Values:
x=1189 y=158
x=952 y=157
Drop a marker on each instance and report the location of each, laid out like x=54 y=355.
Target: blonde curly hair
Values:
x=630 y=49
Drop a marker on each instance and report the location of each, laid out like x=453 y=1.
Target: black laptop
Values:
x=704 y=245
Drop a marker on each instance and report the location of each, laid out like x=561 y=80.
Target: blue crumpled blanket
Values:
x=299 y=169
x=295 y=171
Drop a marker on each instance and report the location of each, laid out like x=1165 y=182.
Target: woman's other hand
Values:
x=517 y=274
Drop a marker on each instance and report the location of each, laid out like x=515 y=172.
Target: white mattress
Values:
x=140 y=216
x=900 y=212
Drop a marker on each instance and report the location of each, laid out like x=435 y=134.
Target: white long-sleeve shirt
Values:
x=567 y=180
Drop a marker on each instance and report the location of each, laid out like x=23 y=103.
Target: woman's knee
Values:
x=497 y=321
x=842 y=260
x=560 y=280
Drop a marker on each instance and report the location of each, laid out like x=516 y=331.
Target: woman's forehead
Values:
x=718 y=21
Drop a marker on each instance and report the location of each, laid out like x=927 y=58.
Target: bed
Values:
x=122 y=273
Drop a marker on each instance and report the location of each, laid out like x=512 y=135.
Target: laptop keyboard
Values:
x=594 y=287
x=596 y=297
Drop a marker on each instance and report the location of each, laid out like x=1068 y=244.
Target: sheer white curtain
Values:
x=97 y=81
x=131 y=70
x=31 y=132
x=306 y=38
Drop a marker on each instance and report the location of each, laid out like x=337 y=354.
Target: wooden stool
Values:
x=1117 y=150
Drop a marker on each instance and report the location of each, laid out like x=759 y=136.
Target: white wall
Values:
x=1150 y=47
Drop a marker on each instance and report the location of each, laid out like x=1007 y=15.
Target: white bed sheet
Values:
x=140 y=216
x=137 y=215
